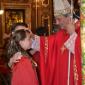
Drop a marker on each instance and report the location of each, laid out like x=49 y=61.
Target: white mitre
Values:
x=61 y=7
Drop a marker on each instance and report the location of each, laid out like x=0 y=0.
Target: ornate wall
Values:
x=43 y=11
x=36 y=13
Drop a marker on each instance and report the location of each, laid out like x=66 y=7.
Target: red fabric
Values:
x=54 y=71
x=23 y=73
x=77 y=24
x=50 y=59
x=36 y=57
x=61 y=60
x=3 y=67
x=78 y=53
x=42 y=61
x=78 y=59
x=47 y=62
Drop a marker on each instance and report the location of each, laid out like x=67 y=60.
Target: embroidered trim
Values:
x=75 y=72
x=46 y=49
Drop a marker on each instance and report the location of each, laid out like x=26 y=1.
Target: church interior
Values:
x=36 y=13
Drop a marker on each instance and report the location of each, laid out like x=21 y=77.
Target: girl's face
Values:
x=26 y=43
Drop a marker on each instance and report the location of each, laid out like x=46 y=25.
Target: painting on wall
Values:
x=13 y=16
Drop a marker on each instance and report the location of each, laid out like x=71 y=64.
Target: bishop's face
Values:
x=62 y=20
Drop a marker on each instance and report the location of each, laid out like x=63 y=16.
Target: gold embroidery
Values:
x=46 y=48
x=75 y=72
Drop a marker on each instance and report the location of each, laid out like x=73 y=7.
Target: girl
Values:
x=23 y=72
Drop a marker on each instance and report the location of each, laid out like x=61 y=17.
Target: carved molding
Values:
x=45 y=3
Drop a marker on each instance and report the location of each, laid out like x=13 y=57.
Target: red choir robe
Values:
x=23 y=73
x=54 y=62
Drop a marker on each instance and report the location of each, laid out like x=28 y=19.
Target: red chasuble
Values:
x=54 y=62
x=24 y=73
